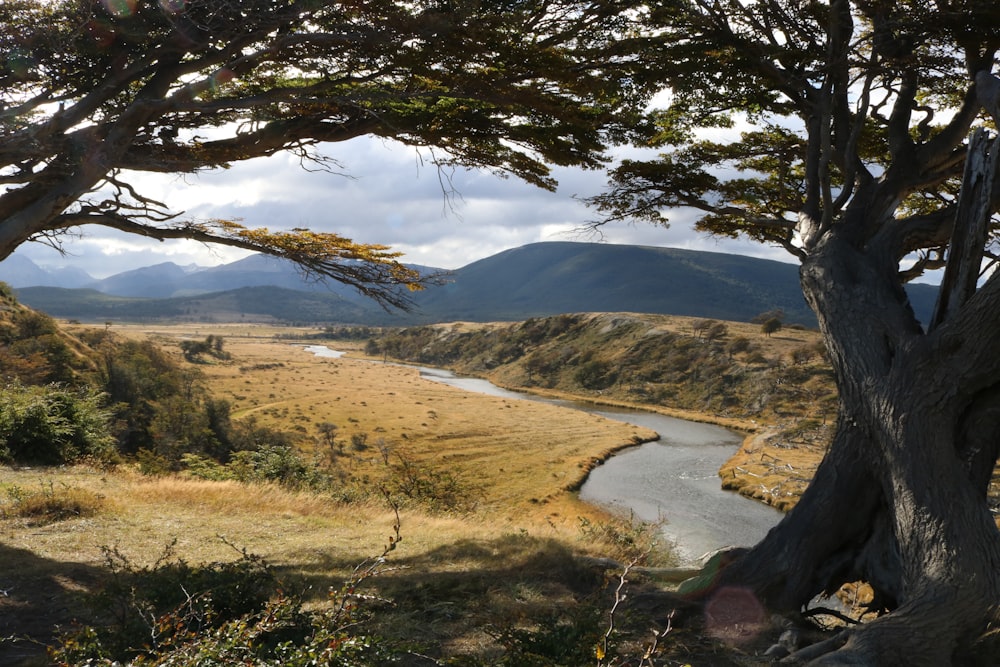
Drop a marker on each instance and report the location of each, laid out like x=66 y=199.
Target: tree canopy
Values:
x=784 y=118
x=858 y=136
x=93 y=92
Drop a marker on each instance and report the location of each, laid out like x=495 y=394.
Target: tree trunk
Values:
x=899 y=501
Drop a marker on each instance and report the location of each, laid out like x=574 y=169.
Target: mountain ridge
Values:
x=534 y=280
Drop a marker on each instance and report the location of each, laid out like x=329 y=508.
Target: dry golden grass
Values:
x=773 y=469
x=518 y=459
x=521 y=458
x=511 y=558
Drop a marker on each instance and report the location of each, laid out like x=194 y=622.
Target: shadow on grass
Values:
x=467 y=598
x=37 y=597
x=480 y=602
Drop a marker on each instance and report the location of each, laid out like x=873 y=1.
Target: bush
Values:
x=225 y=615
x=153 y=609
x=562 y=639
x=771 y=326
x=278 y=464
x=52 y=425
x=595 y=375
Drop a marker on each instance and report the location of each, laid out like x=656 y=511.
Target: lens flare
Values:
x=173 y=6
x=734 y=615
x=120 y=8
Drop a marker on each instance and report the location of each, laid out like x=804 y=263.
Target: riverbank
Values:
x=671 y=483
x=513 y=547
x=773 y=465
x=524 y=562
x=777 y=389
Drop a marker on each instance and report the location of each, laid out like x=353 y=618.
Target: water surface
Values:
x=674 y=481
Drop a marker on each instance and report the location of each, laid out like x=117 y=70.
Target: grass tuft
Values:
x=50 y=503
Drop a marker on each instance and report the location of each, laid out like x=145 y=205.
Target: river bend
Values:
x=673 y=481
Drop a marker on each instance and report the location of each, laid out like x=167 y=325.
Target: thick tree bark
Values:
x=899 y=501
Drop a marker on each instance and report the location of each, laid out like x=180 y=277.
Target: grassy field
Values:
x=519 y=546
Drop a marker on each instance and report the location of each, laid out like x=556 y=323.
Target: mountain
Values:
x=18 y=271
x=251 y=303
x=543 y=279
x=531 y=281
x=551 y=278
x=159 y=281
x=169 y=280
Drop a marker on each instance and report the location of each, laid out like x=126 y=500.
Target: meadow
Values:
x=496 y=539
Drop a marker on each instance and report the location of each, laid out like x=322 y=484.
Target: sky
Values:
x=386 y=193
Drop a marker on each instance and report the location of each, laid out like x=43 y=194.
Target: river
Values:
x=673 y=481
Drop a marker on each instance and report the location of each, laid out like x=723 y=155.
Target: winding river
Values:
x=673 y=481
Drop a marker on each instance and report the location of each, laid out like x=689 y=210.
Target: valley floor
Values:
x=522 y=547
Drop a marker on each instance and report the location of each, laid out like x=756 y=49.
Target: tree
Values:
x=770 y=326
x=840 y=131
x=94 y=92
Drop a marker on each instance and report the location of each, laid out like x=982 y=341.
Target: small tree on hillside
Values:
x=770 y=326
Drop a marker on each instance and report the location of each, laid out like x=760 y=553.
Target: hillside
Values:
x=551 y=278
x=536 y=280
x=258 y=304
x=777 y=387
x=729 y=370
x=34 y=349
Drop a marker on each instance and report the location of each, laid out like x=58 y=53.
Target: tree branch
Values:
x=975 y=207
x=371 y=269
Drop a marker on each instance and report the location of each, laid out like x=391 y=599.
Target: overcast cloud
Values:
x=387 y=195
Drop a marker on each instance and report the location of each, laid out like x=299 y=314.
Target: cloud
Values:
x=383 y=193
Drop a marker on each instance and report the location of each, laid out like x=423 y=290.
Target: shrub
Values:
x=437 y=490
x=771 y=326
x=562 y=639
x=153 y=608
x=205 y=468
x=279 y=464
x=225 y=615
x=627 y=539
x=595 y=375
x=52 y=425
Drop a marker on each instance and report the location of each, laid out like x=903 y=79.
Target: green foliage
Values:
x=52 y=425
x=493 y=86
x=154 y=609
x=137 y=376
x=33 y=350
x=896 y=96
x=212 y=346
x=164 y=408
x=279 y=464
x=565 y=639
x=770 y=326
